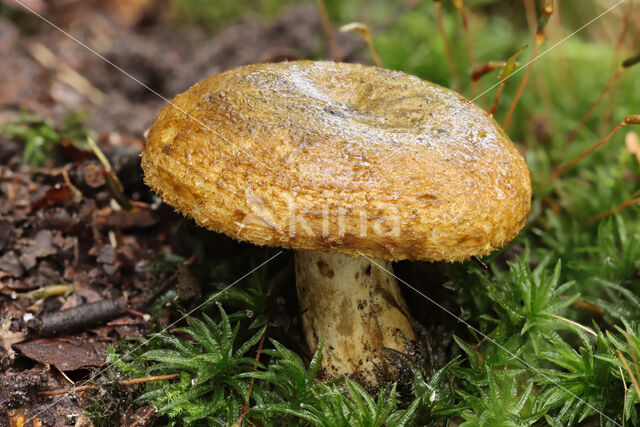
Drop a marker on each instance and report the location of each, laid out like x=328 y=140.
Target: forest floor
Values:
x=59 y=228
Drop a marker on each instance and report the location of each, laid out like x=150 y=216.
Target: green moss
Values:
x=535 y=352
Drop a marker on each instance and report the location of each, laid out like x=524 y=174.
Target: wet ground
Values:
x=64 y=242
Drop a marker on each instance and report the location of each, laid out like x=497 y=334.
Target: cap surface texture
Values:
x=339 y=157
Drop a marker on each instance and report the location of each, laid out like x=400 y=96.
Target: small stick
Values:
x=482 y=265
x=255 y=366
x=453 y=70
x=611 y=211
x=633 y=353
x=79 y=317
x=468 y=39
x=334 y=50
x=626 y=390
x=495 y=100
x=629 y=120
x=530 y=11
x=629 y=371
x=482 y=70
x=65 y=376
x=625 y=65
x=77 y=194
x=467 y=32
x=547 y=11
x=132 y=381
x=363 y=30
x=113 y=183
x=576 y=324
x=623 y=33
x=606 y=115
x=636 y=25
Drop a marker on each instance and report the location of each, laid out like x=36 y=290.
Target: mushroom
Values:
x=352 y=167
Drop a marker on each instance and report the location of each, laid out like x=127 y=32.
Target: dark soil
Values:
x=59 y=224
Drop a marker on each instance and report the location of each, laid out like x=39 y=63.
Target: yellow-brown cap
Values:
x=345 y=157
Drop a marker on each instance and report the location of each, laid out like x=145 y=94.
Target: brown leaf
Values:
x=39 y=247
x=59 y=193
x=10 y=264
x=136 y=218
x=8 y=337
x=70 y=151
x=66 y=353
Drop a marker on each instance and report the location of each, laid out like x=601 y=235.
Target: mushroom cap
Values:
x=339 y=157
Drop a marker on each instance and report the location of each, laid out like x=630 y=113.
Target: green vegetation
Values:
x=554 y=332
x=41 y=137
x=212 y=15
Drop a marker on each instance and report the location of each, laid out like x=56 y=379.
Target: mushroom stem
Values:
x=356 y=308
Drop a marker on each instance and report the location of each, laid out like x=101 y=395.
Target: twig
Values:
x=547 y=10
x=606 y=115
x=530 y=11
x=334 y=50
x=255 y=366
x=481 y=70
x=79 y=318
x=633 y=353
x=576 y=324
x=468 y=39
x=614 y=78
x=113 y=182
x=629 y=371
x=77 y=194
x=129 y=382
x=626 y=390
x=453 y=70
x=494 y=107
x=612 y=211
x=629 y=120
x=363 y=30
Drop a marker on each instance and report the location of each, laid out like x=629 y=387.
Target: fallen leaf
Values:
x=59 y=193
x=66 y=353
x=39 y=247
x=136 y=218
x=10 y=264
x=8 y=337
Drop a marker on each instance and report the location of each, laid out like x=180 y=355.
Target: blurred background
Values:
x=170 y=44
